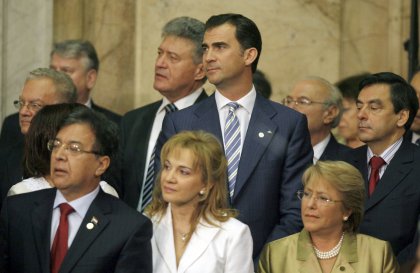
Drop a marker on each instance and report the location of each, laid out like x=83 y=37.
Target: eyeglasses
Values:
x=73 y=148
x=321 y=200
x=300 y=101
x=32 y=106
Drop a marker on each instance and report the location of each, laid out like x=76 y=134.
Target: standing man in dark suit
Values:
x=79 y=60
x=267 y=144
x=322 y=104
x=75 y=227
x=414 y=133
x=387 y=105
x=43 y=86
x=179 y=77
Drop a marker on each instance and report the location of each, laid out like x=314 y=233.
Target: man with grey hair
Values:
x=43 y=86
x=179 y=77
x=79 y=60
x=321 y=102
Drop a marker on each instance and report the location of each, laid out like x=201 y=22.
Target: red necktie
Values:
x=376 y=162
x=60 y=245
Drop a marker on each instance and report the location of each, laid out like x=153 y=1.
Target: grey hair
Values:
x=76 y=49
x=335 y=98
x=63 y=83
x=187 y=28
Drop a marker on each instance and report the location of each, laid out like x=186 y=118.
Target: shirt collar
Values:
x=80 y=205
x=247 y=102
x=320 y=147
x=183 y=102
x=388 y=154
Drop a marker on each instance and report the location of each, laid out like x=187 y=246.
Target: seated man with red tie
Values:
x=75 y=227
x=387 y=105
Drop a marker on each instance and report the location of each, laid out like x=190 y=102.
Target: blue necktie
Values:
x=150 y=176
x=232 y=145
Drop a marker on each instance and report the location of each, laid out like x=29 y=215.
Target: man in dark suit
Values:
x=387 y=105
x=75 y=227
x=179 y=77
x=267 y=144
x=413 y=134
x=321 y=102
x=78 y=59
x=43 y=86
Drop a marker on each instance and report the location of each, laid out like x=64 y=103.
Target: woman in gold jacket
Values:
x=331 y=209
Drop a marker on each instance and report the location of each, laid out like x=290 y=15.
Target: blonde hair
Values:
x=347 y=180
x=210 y=160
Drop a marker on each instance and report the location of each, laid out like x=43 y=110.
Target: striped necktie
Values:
x=148 y=183
x=232 y=145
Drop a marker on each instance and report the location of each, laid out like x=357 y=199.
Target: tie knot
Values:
x=233 y=106
x=376 y=162
x=169 y=108
x=66 y=209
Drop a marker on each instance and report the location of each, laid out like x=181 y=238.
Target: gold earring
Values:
x=202 y=192
x=346 y=218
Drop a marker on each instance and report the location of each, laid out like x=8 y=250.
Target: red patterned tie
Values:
x=60 y=245
x=376 y=162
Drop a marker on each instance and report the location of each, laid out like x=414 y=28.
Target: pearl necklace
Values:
x=331 y=253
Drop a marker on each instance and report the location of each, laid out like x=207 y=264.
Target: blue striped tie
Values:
x=232 y=145
x=150 y=176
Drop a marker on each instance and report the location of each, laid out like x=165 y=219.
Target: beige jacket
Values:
x=359 y=254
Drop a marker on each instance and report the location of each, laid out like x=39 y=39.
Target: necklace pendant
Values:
x=184 y=236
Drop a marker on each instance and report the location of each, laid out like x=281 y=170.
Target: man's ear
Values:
x=91 y=76
x=199 y=73
x=104 y=162
x=330 y=114
x=403 y=116
x=250 y=54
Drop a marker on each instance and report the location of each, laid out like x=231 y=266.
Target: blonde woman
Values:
x=194 y=229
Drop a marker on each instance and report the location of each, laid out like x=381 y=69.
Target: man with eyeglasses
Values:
x=43 y=86
x=321 y=102
x=75 y=227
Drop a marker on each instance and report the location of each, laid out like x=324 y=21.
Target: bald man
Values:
x=321 y=102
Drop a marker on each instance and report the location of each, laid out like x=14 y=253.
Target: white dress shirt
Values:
x=320 y=148
x=414 y=138
x=387 y=155
x=80 y=206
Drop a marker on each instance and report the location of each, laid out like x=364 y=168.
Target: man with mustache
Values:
x=179 y=77
x=387 y=105
x=43 y=86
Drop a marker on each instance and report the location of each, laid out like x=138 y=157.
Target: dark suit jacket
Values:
x=119 y=242
x=334 y=150
x=136 y=127
x=109 y=114
x=276 y=151
x=11 y=152
x=391 y=213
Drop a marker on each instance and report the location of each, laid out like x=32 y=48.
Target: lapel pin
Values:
x=92 y=223
x=260 y=134
x=269 y=131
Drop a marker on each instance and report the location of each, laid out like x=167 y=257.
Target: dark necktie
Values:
x=150 y=176
x=376 y=162
x=60 y=244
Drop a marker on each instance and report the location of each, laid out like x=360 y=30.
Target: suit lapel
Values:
x=208 y=118
x=201 y=239
x=359 y=160
x=260 y=131
x=400 y=166
x=164 y=238
x=142 y=140
x=41 y=228
x=85 y=237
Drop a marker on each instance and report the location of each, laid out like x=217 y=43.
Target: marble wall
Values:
x=26 y=36
x=328 y=38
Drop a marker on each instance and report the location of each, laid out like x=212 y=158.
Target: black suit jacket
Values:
x=276 y=151
x=391 y=213
x=119 y=242
x=11 y=152
x=136 y=127
x=334 y=150
x=109 y=114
